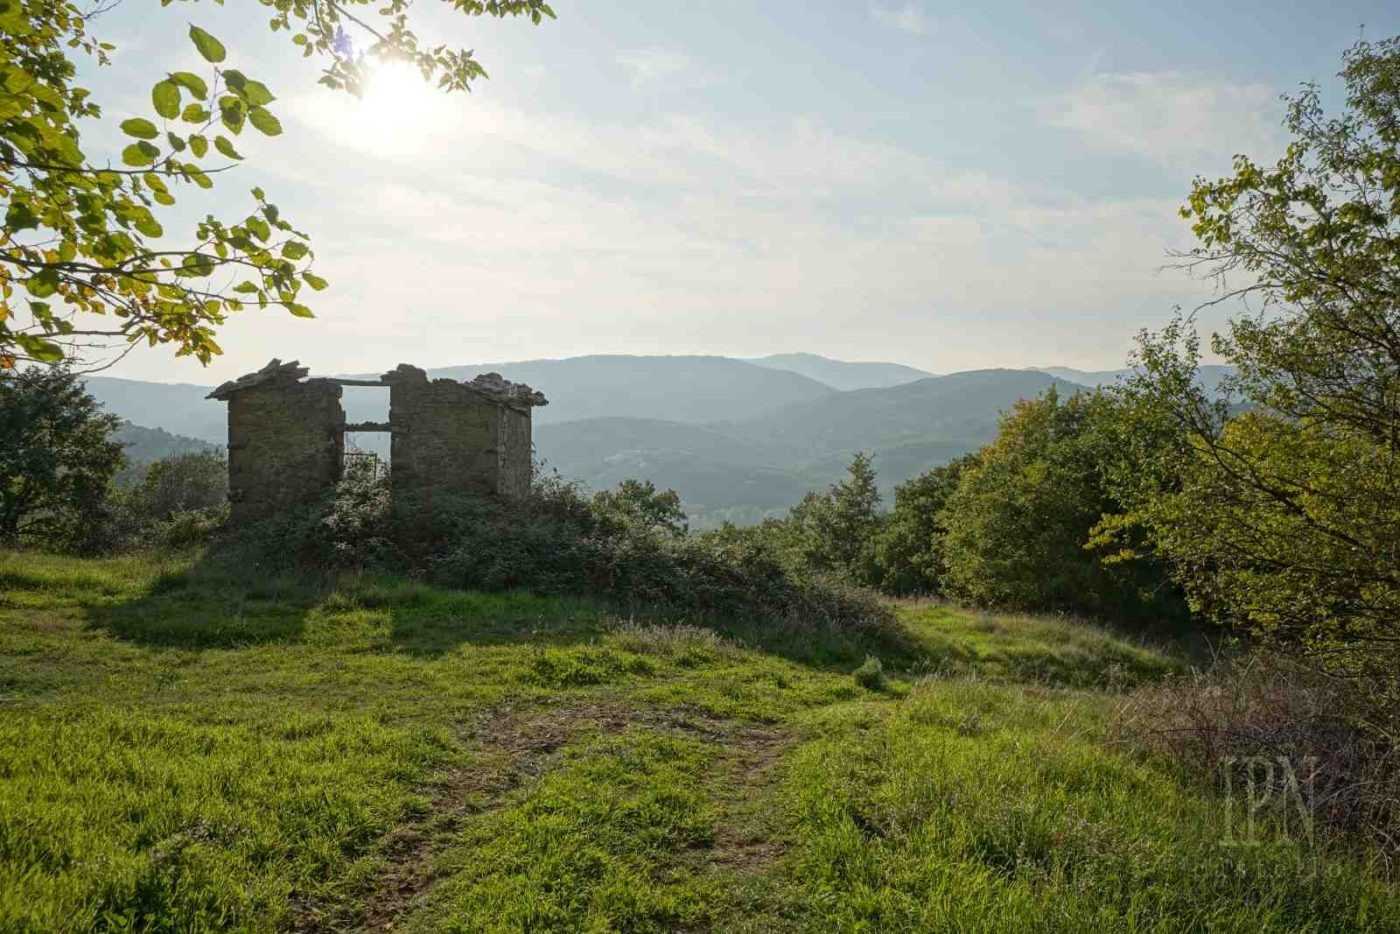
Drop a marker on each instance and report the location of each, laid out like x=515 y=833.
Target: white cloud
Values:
x=907 y=17
x=484 y=231
x=1176 y=119
x=659 y=66
x=764 y=233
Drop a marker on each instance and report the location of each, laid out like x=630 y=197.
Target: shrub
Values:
x=638 y=504
x=195 y=482
x=1293 y=732
x=871 y=674
x=558 y=541
x=349 y=528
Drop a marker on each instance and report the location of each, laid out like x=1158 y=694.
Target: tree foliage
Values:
x=835 y=531
x=1020 y=522
x=910 y=549
x=84 y=258
x=1279 y=505
x=194 y=482
x=57 y=460
x=640 y=506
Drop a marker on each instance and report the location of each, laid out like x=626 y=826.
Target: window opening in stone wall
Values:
x=367 y=450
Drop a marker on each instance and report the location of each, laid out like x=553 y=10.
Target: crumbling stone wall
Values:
x=515 y=449
x=287 y=437
x=451 y=437
x=285 y=445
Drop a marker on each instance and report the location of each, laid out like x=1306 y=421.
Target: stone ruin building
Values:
x=286 y=436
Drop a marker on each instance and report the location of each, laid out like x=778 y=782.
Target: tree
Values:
x=910 y=548
x=80 y=267
x=1279 y=505
x=182 y=483
x=57 y=459
x=835 y=530
x=1019 y=523
x=637 y=504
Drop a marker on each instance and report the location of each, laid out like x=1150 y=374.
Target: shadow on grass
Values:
x=214 y=602
x=211 y=604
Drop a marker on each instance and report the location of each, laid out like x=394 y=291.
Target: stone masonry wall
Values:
x=285 y=446
x=516 y=449
x=444 y=437
x=287 y=437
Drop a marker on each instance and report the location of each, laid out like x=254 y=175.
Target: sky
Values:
x=946 y=185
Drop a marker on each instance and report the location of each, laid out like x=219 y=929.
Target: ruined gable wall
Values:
x=515 y=452
x=285 y=446
x=445 y=438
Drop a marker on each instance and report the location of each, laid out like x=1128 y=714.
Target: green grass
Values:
x=183 y=748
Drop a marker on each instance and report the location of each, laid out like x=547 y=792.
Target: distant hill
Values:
x=738 y=440
x=179 y=408
x=1209 y=375
x=759 y=466
x=680 y=388
x=144 y=446
x=961 y=407
x=842 y=374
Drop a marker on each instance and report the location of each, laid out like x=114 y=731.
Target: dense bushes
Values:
x=624 y=546
x=1012 y=527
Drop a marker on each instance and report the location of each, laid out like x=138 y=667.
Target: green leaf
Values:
x=300 y=311
x=193 y=82
x=145 y=222
x=39 y=349
x=264 y=121
x=142 y=153
x=259 y=228
x=315 y=281
x=209 y=47
x=222 y=144
x=194 y=113
x=177 y=143
x=257 y=94
x=294 y=249
x=166 y=98
x=198 y=145
x=19 y=217
x=140 y=128
x=43 y=284
x=232 y=113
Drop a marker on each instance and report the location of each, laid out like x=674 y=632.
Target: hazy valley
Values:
x=737 y=439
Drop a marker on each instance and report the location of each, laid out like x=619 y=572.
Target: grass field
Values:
x=185 y=749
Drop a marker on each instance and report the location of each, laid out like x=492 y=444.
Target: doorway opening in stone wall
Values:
x=366 y=451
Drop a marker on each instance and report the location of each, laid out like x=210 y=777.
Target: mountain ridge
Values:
x=737 y=440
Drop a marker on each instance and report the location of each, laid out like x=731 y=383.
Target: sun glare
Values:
x=400 y=108
x=397 y=96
